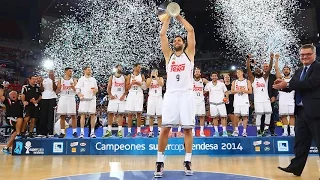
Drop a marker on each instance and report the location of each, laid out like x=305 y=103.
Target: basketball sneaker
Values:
x=75 y=135
x=6 y=150
x=151 y=135
x=81 y=136
x=119 y=134
x=235 y=134
x=18 y=136
x=93 y=136
x=139 y=134
x=224 y=134
x=216 y=134
x=62 y=135
x=158 y=173
x=108 y=134
x=292 y=134
x=179 y=134
x=285 y=134
x=259 y=133
x=202 y=134
x=129 y=134
x=187 y=168
x=244 y=134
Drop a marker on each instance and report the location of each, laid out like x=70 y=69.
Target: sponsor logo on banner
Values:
x=257 y=143
x=74 y=144
x=83 y=144
x=267 y=148
x=266 y=143
x=313 y=150
x=18 y=149
x=74 y=150
x=29 y=149
x=82 y=150
x=283 y=146
x=58 y=147
x=257 y=148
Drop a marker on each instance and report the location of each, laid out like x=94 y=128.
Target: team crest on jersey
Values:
x=118 y=84
x=154 y=86
x=177 y=67
x=260 y=84
x=195 y=88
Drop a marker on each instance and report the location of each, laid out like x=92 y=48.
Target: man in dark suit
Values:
x=273 y=93
x=306 y=83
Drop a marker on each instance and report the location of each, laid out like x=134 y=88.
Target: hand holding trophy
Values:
x=168 y=9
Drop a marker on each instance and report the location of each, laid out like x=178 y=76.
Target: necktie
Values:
x=302 y=77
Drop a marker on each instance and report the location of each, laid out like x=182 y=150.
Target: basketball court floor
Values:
x=142 y=167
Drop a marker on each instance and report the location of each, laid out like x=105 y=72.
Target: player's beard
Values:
x=286 y=74
x=197 y=77
x=259 y=75
x=179 y=48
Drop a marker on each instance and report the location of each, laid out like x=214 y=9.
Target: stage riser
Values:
x=148 y=146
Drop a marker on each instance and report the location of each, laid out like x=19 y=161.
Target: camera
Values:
x=153 y=76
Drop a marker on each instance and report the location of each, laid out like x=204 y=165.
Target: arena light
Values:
x=48 y=64
x=233 y=68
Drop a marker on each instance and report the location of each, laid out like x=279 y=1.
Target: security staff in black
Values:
x=14 y=116
x=31 y=96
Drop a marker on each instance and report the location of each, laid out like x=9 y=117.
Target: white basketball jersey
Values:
x=260 y=90
x=216 y=92
x=136 y=88
x=155 y=89
x=118 y=86
x=241 y=98
x=286 y=97
x=198 y=89
x=179 y=73
x=66 y=89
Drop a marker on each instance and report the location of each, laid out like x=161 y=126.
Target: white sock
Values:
x=201 y=129
x=224 y=128
x=119 y=128
x=82 y=130
x=258 y=128
x=160 y=156
x=285 y=129
x=266 y=127
x=159 y=129
x=215 y=128
x=74 y=130
x=187 y=157
x=179 y=129
x=236 y=129
x=268 y=119
x=138 y=129
x=129 y=130
x=291 y=128
x=258 y=122
x=63 y=131
x=244 y=130
x=109 y=128
x=92 y=130
x=151 y=128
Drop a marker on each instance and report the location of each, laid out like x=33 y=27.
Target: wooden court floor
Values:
x=42 y=167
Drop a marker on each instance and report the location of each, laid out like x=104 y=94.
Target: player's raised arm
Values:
x=164 y=40
x=276 y=66
x=266 y=75
x=191 y=48
x=249 y=71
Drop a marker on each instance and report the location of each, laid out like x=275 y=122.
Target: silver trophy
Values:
x=168 y=9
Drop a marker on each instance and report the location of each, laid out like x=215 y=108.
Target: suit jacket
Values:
x=272 y=92
x=309 y=89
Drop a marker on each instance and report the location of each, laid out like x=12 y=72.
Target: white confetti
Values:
x=103 y=33
x=259 y=27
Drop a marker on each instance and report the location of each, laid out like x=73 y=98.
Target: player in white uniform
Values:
x=87 y=89
x=198 y=93
x=67 y=101
x=262 y=103
x=117 y=94
x=241 y=88
x=178 y=101
x=218 y=96
x=286 y=100
x=154 y=105
x=134 y=103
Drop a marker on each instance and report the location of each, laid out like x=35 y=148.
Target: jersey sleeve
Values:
x=224 y=88
x=207 y=88
x=79 y=84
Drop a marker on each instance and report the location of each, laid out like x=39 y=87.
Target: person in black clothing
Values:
x=14 y=116
x=306 y=83
x=31 y=96
x=273 y=93
x=229 y=106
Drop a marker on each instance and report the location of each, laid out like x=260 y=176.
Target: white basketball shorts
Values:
x=87 y=107
x=218 y=110
x=286 y=109
x=134 y=102
x=261 y=108
x=154 y=107
x=67 y=105
x=178 y=109
x=116 y=106
x=199 y=108
x=241 y=110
